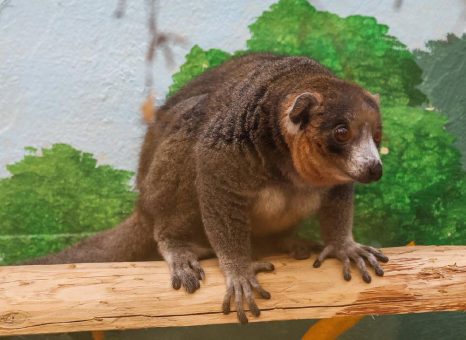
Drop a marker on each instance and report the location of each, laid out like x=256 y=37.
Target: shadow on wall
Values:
x=60 y=195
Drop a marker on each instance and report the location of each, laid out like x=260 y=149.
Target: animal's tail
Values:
x=129 y=241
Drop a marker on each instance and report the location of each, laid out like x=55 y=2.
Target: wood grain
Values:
x=79 y=297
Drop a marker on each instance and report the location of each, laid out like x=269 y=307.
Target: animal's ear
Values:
x=301 y=106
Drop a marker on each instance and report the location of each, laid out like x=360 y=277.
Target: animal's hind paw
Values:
x=186 y=271
x=241 y=283
x=301 y=249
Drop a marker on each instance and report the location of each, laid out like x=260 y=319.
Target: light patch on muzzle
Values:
x=363 y=155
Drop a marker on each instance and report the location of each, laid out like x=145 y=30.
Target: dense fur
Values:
x=234 y=161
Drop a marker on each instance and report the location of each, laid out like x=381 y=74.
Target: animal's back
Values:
x=232 y=83
x=239 y=69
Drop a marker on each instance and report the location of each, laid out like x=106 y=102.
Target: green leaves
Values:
x=422 y=184
x=60 y=191
x=197 y=61
x=355 y=48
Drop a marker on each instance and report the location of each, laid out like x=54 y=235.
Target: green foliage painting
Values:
x=444 y=82
x=355 y=48
x=197 y=61
x=57 y=196
x=422 y=194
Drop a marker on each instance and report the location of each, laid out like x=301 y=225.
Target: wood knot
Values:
x=431 y=273
x=13 y=318
x=440 y=273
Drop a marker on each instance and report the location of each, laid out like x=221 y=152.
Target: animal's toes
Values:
x=377 y=253
x=188 y=277
x=190 y=282
x=176 y=282
x=323 y=255
x=301 y=252
x=259 y=267
x=196 y=266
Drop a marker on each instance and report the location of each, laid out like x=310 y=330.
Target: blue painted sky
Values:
x=70 y=72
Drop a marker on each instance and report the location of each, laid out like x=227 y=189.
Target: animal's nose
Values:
x=372 y=172
x=375 y=171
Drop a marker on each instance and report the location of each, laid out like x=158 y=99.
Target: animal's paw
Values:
x=241 y=282
x=358 y=253
x=301 y=249
x=186 y=271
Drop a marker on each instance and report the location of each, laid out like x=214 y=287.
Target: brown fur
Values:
x=234 y=160
x=312 y=164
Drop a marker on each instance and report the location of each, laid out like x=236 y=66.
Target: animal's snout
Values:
x=372 y=173
x=375 y=171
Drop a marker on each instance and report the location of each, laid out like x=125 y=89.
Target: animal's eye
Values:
x=377 y=136
x=342 y=133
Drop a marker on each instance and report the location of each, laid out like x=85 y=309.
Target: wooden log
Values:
x=79 y=297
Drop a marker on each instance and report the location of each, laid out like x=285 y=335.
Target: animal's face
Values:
x=334 y=134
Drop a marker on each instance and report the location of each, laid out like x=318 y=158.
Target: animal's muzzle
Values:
x=372 y=173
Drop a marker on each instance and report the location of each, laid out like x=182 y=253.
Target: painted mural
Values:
x=57 y=195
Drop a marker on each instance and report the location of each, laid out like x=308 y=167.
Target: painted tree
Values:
x=423 y=188
x=197 y=61
x=356 y=48
x=57 y=195
x=444 y=74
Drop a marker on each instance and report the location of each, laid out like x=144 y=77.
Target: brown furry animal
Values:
x=236 y=159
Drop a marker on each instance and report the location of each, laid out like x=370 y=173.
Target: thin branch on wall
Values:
x=4 y=4
x=120 y=9
x=398 y=4
x=157 y=41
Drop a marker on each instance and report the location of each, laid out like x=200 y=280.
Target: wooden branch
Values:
x=67 y=298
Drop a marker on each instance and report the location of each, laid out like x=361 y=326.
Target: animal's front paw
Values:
x=356 y=252
x=186 y=271
x=241 y=282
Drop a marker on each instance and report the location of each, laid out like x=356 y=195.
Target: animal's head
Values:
x=333 y=129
